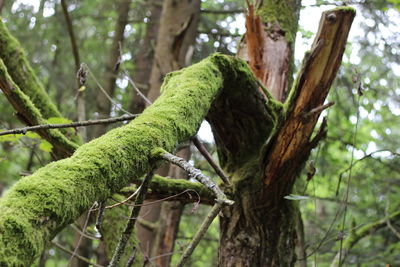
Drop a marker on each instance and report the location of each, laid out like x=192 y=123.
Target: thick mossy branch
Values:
x=242 y=120
x=20 y=71
x=23 y=105
x=36 y=208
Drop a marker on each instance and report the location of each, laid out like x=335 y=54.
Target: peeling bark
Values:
x=259 y=229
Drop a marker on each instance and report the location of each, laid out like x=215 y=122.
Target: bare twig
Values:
x=95 y=204
x=136 y=88
x=69 y=125
x=75 y=255
x=307 y=115
x=194 y=173
x=220 y=202
x=210 y=160
x=131 y=222
x=116 y=104
x=85 y=234
x=200 y=233
x=100 y=217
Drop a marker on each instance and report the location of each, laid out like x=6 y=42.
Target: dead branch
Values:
x=69 y=125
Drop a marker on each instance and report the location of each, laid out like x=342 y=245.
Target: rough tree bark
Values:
x=260 y=227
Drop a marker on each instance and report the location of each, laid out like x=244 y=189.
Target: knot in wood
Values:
x=331 y=18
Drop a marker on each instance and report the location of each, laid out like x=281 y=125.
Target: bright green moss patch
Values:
x=346 y=8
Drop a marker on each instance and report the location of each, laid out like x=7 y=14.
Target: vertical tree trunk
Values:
x=144 y=58
x=260 y=228
x=111 y=72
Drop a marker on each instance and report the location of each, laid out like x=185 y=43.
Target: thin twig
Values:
x=200 y=233
x=69 y=125
x=166 y=198
x=349 y=178
x=100 y=217
x=116 y=104
x=210 y=160
x=136 y=88
x=88 y=236
x=317 y=110
x=83 y=229
x=75 y=255
x=131 y=222
x=125 y=200
x=125 y=72
x=195 y=174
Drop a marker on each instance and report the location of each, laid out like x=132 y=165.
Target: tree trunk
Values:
x=111 y=72
x=144 y=58
x=260 y=229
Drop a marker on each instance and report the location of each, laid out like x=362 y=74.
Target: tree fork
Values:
x=264 y=160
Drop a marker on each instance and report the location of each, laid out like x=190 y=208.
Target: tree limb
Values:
x=38 y=206
x=68 y=125
x=23 y=76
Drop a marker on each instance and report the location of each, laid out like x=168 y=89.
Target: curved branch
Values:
x=37 y=207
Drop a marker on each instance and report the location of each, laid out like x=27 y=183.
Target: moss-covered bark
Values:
x=40 y=205
x=15 y=69
x=24 y=106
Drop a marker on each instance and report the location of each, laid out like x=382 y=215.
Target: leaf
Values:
x=32 y=135
x=58 y=120
x=10 y=137
x=296 y=197
x=45 y=146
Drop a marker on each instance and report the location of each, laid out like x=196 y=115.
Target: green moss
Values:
x=283 y=12
x=54 y=136
x=346 y=8
x=22 y=74
x=40 y=205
